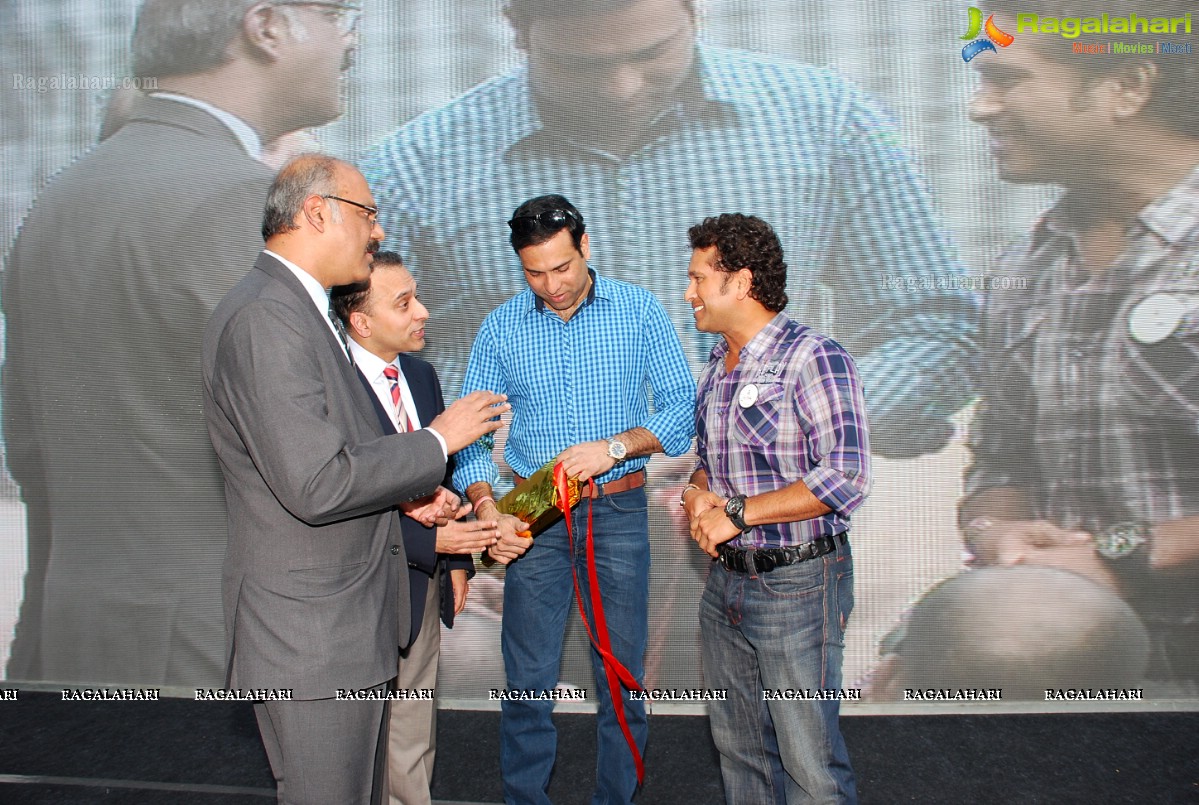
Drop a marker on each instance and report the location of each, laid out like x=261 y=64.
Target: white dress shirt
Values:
x=372 y=366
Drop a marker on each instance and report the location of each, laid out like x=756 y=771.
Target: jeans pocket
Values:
x=633 y=501
x=803 y=580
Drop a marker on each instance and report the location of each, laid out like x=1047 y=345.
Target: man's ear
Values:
x=585 y=246
x=360 y=324
x=316 y=211
x=1133 y=88
x=745 y=282
x=264 y=30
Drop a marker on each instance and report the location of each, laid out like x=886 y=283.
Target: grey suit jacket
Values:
x=316 y=577
x=106 y=293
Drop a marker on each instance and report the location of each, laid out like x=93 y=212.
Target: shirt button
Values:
x=395 y=550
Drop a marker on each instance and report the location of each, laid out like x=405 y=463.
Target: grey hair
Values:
x=180 y=37
x=303 y=176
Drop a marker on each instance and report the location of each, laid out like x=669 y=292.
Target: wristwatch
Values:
x=617 y=449
x=1122 y=539
x=735 y=510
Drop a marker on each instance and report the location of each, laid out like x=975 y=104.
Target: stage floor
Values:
x=181 y=752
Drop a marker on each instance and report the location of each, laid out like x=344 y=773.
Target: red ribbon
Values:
x=615 y=671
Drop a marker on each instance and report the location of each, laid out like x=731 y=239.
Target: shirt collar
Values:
x=762 y=344
x=702 y=92
x=245 y=134
x=371 y=364
x=319 y=296
x=1173 y=216
x=599 y=288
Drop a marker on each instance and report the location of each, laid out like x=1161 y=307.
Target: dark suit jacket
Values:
x=106 y=291
x=316 y=581
x=420 y=542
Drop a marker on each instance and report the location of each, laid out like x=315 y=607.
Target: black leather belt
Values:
x=764 y=560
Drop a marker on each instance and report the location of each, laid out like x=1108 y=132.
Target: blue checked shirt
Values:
x=805 y=420
x=579 y=380
x=796 y=145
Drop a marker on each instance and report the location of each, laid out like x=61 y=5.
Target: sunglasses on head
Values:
x=549 y=219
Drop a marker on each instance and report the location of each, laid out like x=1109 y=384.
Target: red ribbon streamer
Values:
x=615 y=671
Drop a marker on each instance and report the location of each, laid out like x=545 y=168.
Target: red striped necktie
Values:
x=403 y=423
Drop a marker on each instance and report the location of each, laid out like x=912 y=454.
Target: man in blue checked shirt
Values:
x=620 y=108
x=578 y=356
x=784 y=459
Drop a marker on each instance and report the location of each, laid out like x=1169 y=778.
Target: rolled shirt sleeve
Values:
x=830 y=399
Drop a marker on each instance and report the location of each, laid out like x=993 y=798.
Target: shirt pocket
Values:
x=758 y=425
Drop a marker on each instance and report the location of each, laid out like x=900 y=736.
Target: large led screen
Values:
x=992 y=208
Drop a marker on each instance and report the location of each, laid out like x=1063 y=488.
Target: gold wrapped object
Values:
x=536 y=500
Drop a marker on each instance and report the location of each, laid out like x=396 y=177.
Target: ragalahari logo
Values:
x=994 y=36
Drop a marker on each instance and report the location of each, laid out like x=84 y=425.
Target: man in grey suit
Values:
x=106 y=292
x=316 y=576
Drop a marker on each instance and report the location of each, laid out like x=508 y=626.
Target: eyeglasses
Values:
x=550 y=219
x=372 y=213
x=345 y=15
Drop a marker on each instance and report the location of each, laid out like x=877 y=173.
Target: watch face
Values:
x=735 y=506
x=617 y=449
x=1121 y=539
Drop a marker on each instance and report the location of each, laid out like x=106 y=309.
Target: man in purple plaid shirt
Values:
x=784 y=459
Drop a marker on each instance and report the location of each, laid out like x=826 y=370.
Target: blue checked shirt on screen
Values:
x=590 y=377
x=798 y=146
x=805 y=420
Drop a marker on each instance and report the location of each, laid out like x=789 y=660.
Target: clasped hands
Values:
x=710 y=526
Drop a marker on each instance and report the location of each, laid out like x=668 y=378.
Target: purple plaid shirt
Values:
x=792 y=410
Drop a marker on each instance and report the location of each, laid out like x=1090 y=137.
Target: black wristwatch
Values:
x=735 y=510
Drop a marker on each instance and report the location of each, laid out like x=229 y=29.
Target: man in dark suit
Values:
x=316 y=582
x=106 y=293
x=385 y=319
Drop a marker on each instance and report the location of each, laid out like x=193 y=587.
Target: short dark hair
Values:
x=345 y=299
x=534 y=231
x=990 y=628
x=180 y=37
x=303 y=175
x=1173 y=103
x=521 y=13
x=746 y=241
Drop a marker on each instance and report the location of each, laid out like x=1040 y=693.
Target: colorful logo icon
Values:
x=994 y=36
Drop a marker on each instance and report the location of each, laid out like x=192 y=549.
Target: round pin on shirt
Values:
x=748 y=396
x=1155 y=317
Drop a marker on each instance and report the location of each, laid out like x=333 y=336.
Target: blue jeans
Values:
x=538 y=595
x=782 y=630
